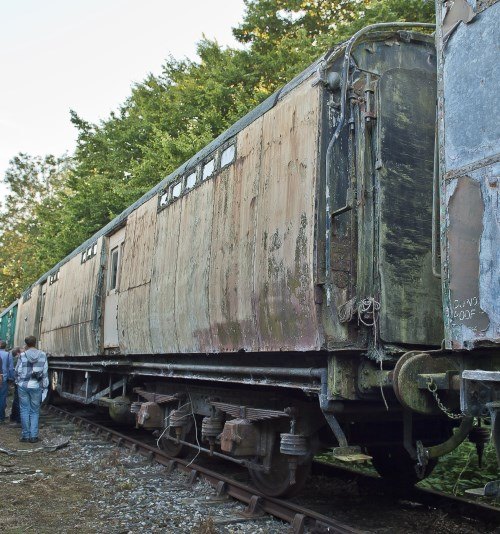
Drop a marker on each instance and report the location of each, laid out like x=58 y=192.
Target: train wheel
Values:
x=176 y=450
x=396 y=466
x=276 y=483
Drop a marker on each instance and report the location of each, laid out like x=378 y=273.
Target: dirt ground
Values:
x=40 y=494
x=73 y=481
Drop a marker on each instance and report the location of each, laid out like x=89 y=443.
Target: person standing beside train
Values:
x=7 y=373
x=31 y=379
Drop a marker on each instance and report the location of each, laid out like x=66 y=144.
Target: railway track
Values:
x=300 y=517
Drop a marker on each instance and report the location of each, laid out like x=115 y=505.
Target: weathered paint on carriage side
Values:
x=469 y=76
x=162 y=292
x=162 y=302
x=284 y=254
x=192 y=260
x=67 y=325
x=27 y=315
x=232 y=311
x=409 y=293
x=134 y=335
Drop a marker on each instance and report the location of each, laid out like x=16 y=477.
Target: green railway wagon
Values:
x=8 y=324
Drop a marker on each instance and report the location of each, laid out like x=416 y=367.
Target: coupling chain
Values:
x=432 y=387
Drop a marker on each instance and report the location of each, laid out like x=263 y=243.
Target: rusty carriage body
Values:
x=273 y=291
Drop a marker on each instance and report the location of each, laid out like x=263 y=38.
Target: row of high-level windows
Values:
x=205 y=170
x=89 y=253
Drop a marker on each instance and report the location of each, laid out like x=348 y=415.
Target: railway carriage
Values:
x=280 y=291
x=8 y=324
x=469 y=169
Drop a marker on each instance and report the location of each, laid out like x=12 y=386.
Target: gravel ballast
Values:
x=90 y=485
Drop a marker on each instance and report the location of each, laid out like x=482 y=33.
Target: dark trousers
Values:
x=4 y=390
x=15 y=414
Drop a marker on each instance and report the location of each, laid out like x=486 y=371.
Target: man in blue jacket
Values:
x=31 y=379
x=7 y=373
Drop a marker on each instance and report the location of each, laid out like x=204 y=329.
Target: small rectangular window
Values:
x=177 y=190
x=227 y=156
x=84 y=256
x=164 y=198
x=89 y=252
x=191 y=180
x=113 y=269
x=208 y=169
x=94 y=249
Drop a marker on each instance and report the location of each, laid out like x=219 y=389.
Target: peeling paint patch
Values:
x=466 y=210
x=459 y=11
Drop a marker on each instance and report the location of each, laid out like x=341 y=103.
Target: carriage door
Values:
x=115 y=249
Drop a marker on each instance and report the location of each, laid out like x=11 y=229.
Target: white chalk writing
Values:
x=465 y=309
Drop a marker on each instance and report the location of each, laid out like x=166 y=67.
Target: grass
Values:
x=454 y=473
x=459 y=470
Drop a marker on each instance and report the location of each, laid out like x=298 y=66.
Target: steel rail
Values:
x=297 y=516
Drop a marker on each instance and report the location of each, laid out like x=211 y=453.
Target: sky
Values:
x=85 y=55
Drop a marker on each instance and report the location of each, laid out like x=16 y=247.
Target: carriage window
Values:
x=227 y=156
x=113 y=270
x=177 y=190
x=84 y=256
x=94 y=249
x=208 y=169
x=164 y=198
x=190 y=180
x=89 y=252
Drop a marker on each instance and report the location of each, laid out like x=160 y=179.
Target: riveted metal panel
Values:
x=134 y=286
x=193 y=262
x=232 y=310
x=283 y=277
x=469 y=77
x=67 y=326
x=162 y=292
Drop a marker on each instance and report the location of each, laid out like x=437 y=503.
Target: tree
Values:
x=285 y=36
x=28 y=217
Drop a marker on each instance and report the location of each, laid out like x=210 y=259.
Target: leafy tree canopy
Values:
x=31 y=221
